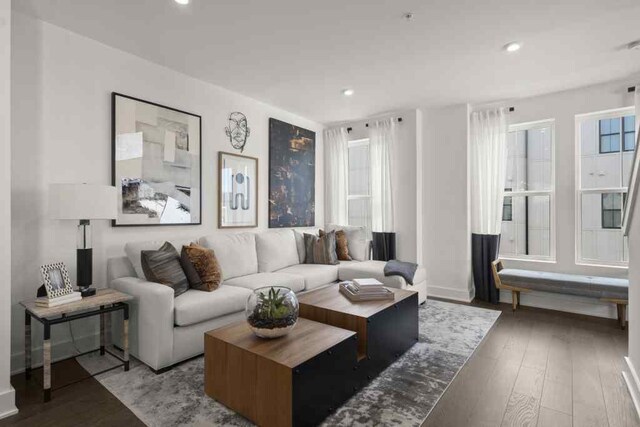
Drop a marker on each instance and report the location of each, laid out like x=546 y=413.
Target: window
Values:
x=606 y=144
x=507 y=208
x=528 y=211
x=359 y=197
x=612 y=204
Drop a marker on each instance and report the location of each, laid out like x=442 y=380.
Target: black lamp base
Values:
x=87 y=292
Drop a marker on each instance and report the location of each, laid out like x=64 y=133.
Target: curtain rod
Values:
x=349 y=129
x=631 y=89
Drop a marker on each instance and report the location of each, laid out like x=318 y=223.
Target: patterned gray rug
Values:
x=403 y=395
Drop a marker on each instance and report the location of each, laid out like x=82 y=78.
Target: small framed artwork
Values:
x=156 y=163
x=238 y=191
x=56 y=280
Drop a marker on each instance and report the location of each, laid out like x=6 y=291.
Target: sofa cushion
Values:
x=315 y=275
x=133 y=250
x=357 y=240
x=375 y=270
x=236 y=253
x=321 y=250
x=276 y=250
x=203 y=262
x=259 y=280
x=163 y=266
x=195 y=306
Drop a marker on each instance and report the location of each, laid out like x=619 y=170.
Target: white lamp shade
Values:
x=82 y=201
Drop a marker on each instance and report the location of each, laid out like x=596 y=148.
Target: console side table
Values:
x=102 y=303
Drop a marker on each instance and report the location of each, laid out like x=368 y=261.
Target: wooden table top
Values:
x=304 y=342
x=330 y=298
x=102 y=297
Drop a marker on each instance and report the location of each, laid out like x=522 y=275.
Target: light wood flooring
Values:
x=541 y=368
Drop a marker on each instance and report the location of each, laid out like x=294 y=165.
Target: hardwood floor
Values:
x=85 y=403
x=535 y=368
x=541 y=368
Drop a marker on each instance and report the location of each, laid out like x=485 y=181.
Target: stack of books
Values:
x=54 y=302
x=365 y=290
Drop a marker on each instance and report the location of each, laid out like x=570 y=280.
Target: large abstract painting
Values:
x=292 y=171
x=156 y=163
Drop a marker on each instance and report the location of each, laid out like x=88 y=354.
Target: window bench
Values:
x=604 y=288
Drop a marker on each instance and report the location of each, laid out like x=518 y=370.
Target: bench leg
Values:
x=622 y=315
x=514 y=300
x=518 y=295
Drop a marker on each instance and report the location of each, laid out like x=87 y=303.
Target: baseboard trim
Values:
x=8 y=403
x=450 y=293
x=60 y=350
x=562 y=302
x=633 y=384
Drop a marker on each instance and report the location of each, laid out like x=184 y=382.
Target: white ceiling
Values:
x=300 y=54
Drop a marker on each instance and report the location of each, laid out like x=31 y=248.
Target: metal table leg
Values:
x=125 y=336
x=46 y=362
x=27 y=344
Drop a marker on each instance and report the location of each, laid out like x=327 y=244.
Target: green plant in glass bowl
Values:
x=272 y=311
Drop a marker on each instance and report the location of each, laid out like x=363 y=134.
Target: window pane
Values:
x=529 y=160
x=605 y=144
x=615 y=125
x=605 y=128
x=629 y=123
x=602 y=238
x=529 y=232
x=629 y=141
x=360 y=212
x=615 y=143
x=359 y=170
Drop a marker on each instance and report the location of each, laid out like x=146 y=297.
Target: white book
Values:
x=363 y=283
x=65 y=299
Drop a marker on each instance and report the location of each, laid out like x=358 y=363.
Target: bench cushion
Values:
x=572 y=284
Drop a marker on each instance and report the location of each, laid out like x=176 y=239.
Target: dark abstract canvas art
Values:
x=292 y=169
x=156 y=163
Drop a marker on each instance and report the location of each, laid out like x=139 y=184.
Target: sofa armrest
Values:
x=151 y=320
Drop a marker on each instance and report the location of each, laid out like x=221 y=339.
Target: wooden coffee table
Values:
x=282 y=381
x=386 y=329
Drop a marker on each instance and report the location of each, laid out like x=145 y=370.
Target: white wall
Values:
x=7 y=395
x=62 y=133
x=445 y=198
x=406 y=185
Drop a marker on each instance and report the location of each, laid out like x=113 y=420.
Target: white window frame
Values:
x=579 y=119
x=547 y=123
x=351 y=144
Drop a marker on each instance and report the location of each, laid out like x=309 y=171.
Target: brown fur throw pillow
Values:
x=342 y=246
x=205 y=264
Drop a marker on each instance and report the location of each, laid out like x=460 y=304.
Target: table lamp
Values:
x=83 y=202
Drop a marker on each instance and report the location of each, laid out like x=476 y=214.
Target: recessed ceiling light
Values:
x=348 y=92
x=512 y=47
x=182 y=1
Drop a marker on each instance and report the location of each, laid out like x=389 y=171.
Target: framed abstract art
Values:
x=237 y=191
x=292 y=172
x=156 y=163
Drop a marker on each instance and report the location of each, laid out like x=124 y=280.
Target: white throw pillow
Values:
x=357 y=240
x=276 y=250
x=236 y=253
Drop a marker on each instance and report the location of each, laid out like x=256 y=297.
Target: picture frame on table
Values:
x=237 y=191
x=57 y=281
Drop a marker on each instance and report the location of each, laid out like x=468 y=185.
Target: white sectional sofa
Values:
x=164 y=330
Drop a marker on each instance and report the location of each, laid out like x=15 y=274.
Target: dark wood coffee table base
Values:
x=295 y=380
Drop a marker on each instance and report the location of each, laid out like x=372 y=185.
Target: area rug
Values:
x=403 y=395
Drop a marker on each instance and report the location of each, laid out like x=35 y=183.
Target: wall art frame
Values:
x=156 y=163
x=237 y=190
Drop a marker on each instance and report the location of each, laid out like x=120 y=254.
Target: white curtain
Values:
x=336 y=145
x=382 y=136
x=488 y=157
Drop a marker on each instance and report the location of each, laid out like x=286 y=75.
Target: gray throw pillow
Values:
x=163 y=266
x=321 y=250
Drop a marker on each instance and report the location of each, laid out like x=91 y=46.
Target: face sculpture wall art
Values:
x=238 y=130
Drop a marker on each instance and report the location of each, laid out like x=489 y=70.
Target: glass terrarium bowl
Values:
x=272 y=311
